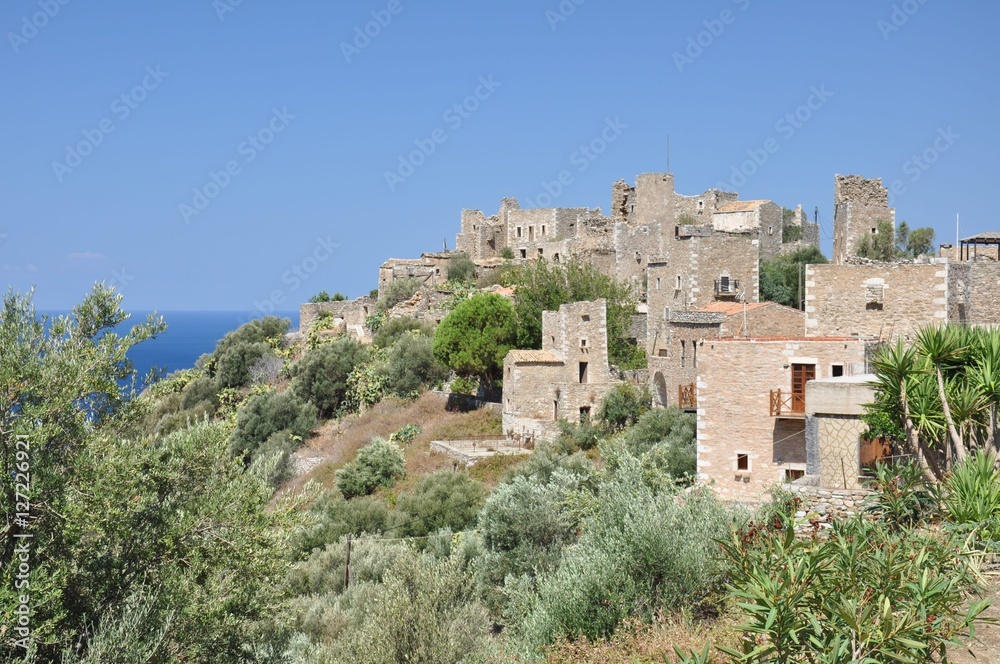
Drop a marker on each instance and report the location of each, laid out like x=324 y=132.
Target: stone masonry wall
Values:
x=859 y=203
x=837 y=298
x=829 y=505
x=985 y=295
x=735 y=378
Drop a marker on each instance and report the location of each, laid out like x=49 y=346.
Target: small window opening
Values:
x=583 y=373
x=585 y=318
x=524 y=253
x=837 y=370
x=743 y=462
x=519 y=231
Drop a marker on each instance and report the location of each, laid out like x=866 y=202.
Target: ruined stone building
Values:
x=701 y=238
x=674 y=342
x=752 y=407
x=858 y=205
x=565 y=380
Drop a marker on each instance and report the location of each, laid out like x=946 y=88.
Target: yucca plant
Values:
x=971 y=499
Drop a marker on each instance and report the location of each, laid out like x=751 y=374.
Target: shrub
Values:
x=904 y=497
x=640 y=553
x=406 y=434
x=281 y=445
x=378 y=464
x=444 y=499
x=395 y=329
x=664 y=439
x=971 y=498
x=507 y=253
x=411 y=365
x=265 y=415
x=582 y=436
x=258 y=330
x=336 y=517
x=865 y=593
x=321 y=376
x=398 y=291
x=323 y=296
x=461 y=268
x=622 y=406
x=198 y=390
x=233 y=365
x=464 y=386
x=476 y=336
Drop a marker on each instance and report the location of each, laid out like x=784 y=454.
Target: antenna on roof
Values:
x=668 y=153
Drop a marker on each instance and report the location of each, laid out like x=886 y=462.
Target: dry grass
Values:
x=337 y=442
x=634 y=642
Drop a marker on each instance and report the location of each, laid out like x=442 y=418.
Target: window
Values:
x=540 y=251
x=662 y=353
x=678 y=286
x=553 y=340
x=742 y=462
x=874 y=231
x=583 y=343
x=770 y=230
x=524 y=253
x=837 y=370
x=792 y=474
x=543 y=230
x=531 y=232
x=701 y=206
x=694 y=354
x=555 y=409
x=657 y=283
x=555 y=257
x=583 y=373
x=584 y=414
x=683 y=352
x=519 y=231
x=585 y=318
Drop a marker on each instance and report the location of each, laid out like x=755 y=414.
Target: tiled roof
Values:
x=731 y=308
x=740 y=206
x=533 y=357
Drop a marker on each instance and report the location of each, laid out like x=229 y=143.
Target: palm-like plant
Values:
x=985 y=376
x=943 y=346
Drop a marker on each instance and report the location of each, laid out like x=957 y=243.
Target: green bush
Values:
x=378 y=464
x=461 y=268
x=258 y=330
x=336 y=517
x=507 y=253
x=198 y=390
x=476 y=336
x=395 y=329
x=582 y=436
x=233 y=364
x=398 y=291
x=903 y=497
x=665 y=440
x=444 y=499
x=265 y=415
x=280 y=445
x=865 y=593
x=641 y=553
x=406 y=434
x=323 y=296
x=622 y=406
x=971 y=499
x=464 y=386
x=321 y=376
x=411 y=365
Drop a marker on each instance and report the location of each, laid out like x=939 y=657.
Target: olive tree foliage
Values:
x=461 y=268
x=476 y=336
x=779 y=277
x=410 y=365
x=913 y=242
x=232 y=362
x=264 y=415
x=378 y=464
x=155 y=549
x=321 y=376
x=544 y=286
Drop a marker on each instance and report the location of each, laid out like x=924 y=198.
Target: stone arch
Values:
x=660 y=384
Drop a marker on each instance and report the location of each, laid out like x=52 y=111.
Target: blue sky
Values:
x=233 y=155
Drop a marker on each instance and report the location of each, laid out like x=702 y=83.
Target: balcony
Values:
x=686 y=398
x=726 y=287
x=788 y=405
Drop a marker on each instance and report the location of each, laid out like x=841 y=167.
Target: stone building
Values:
x=836 y=455
x=650 y=223
x=565 y=380
x=348 y=315
x=674 y=342
x=859 y=204
x=895 y=299
x=751 y=407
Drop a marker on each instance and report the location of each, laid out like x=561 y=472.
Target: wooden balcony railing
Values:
x=787 y=404
x=686 y=398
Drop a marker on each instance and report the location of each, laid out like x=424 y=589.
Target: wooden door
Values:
x=801 y=373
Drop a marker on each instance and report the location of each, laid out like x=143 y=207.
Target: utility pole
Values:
x=668 y=153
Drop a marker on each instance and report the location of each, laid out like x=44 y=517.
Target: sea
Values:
x=189 y=335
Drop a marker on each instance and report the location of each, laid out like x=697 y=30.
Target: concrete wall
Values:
x=837 y=298
x=735 y=378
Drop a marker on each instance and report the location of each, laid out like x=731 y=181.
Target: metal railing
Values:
x=727 y=287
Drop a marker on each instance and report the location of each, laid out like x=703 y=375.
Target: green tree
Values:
x=543 y=286
x=461 y=268
x=265 y=415
x=442 y=500
x=393 y=330
x=398 y=291
x=321 y=376
x=379 y=463
x=410 y=365
x=879 y=246
x=622 y=406
x=779 y=277
x=476 y=336
x=323 y=296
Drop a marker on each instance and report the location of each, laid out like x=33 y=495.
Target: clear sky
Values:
x=243 y=154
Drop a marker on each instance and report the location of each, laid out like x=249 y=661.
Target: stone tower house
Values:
x=859 y=204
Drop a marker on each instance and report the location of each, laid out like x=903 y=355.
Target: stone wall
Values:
x=735 y=379
x=859 y=203
x=985 y=293
x=828 y=504
x=842 y=299
x=351 y=314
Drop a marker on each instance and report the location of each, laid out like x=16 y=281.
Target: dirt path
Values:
x=986 y=646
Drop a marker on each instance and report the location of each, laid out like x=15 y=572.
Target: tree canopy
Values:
x=475 y=337
x=779 y=277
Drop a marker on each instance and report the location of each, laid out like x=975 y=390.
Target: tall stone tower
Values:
x=858 y=205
